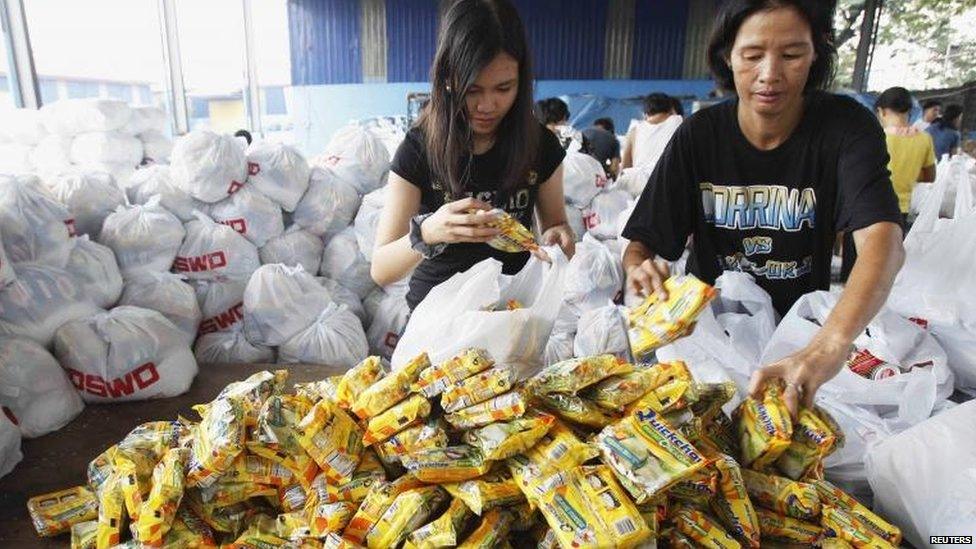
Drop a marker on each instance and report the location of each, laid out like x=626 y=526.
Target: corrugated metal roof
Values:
x=566 y=37
x=324 y=41
x=372 y=21
x=701 y=14
x=659 y=38
x=411 y=35
x=619 y=42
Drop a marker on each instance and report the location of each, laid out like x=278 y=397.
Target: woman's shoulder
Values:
x=831 y=109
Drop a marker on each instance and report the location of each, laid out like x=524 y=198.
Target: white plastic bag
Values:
x=458 y=314
x=208 y=166
x=745 y=312
x=15 y=158
x=34 y=388
x=623 y=217
x=10 y=454
x=558 y=348
x=52 y=155
x=574 y=217
x=278 y=171
x=41 y=299
x=75 y=116
x=21 y=126
x=358 y=157
x=156 y=179
x=602 y=331
x=633 y=180
x=144 y=237
x=6 y=267
x=34 y=226
x=601 y=216
x=96 y=272
x=250 y=213
x=593 y=276
x=230 y=347
x=583 y=179
x=144 y=119
x=279 y=302
x=90 y=197
x=156 y=146
x=128 y=353
x=343 y=262
x=335 y=338
x=344 y=296
x=212 y=250
x=295 y=246
x=388 y=321
x=221 y=304
x=329 y=205
x=924 y=479
x=167 y=294
x=367 y=220
x=106 y=148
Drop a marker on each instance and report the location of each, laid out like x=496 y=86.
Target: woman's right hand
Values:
x=649 y=276
x=452 y=223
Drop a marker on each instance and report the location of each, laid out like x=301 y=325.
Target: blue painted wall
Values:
x=324 y=37
x=659 y=38
x=566 y=37
x=411 y=38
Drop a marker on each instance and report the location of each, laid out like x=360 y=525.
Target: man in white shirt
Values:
x=647 y=139
x=931 y=109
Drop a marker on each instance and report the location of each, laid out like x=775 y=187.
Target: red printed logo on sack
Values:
x=93 y=384
x=253 y=168
x=391 y=340
x=601 y=181
x=239 y=225
x=591 y=220
x=10 y=415
x=200 y=263
x=234 y=187
x=70 y=223
x=921 y=322
x=223 y=320
x=332 y=160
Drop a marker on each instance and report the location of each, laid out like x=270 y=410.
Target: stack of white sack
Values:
x=358 y=157
x=221 y=304
x=277 y=171
x=367 y=220
x=208 y=166
x=343 y=262
x=158 y=180
x=387 y=312
x=211 y=250
x=35 y=227
x=329 y=205
x=144 y=237
x=36 y=391
x=40 y=300
x=296 y=246
x=89 y=195
x=169 y=295
x=96 y=271
x=250 y=213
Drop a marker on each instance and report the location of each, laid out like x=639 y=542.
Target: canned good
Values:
x=882 y=371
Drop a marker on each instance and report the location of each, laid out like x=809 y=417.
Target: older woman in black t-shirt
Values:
x=763 y=182
x=477 y=147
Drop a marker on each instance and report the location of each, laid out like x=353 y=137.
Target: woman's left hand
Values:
x=562 y=235
x=804 y=372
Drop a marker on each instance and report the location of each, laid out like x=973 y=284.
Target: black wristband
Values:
x=429 y=251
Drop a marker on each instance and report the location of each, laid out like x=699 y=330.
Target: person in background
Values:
x=602 y=144
x=931 y=109
x=606 y=124
x=910 y=150
x=647 y=139
x=945 y=131
x=554 y=113
x=676 y=107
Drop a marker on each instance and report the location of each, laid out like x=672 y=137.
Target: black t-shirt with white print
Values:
x=773 y=214
x=486 y=171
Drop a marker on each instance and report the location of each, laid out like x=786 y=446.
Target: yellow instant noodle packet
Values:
x=698 y=489
x=672 y=388
x=380 y=497
x=324 y=518
x=408 y=512
x=261 y=533
x=514 y=236
x=495 y=489
x=332 y=439
x=136 y=456
x=255 y=469
x=419 y=437
x=577 y=409
x=764 y=427
x=189 y=531
x=490 y=532
x=292 y=497
x=834 y=543
x=615 y=392
x=794 y=499
x=335 y=541
x=833 y=496
x=222 y=494
x=478 y=388
x=159 y=509
x=295 y=528
x=229 y=519
x=451 y=464
x=505 y=439
x=648 y=452
x=217 y=440
x=840 y=524
x=732 y=505
x=390 y=389
x=501 y=408
x=677 y=540
x=815 y=436
x=111 y=513
x=558 y=451
x=436 y=379
x=780 y=527
x=591 y=510
x=654 y=323
x=251 y=393
x=444 y=531
x=570 y=376
x=315 y=391
x=84 y=535
x=407 y=413
x=710 y=397
x=100 y=468
x=357 y=379
x=55 y=513
x=369 y=472
x=276 y=436
x=719 y=432
x=701 y=528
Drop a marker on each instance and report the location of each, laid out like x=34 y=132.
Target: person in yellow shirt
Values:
x=911 y=151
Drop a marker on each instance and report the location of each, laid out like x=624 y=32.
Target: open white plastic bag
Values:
x=279 y=302
x=41 y=299
x=95 y=271
x=6 y=267
x=167 y=294
x=144 y=237
x=90 y=197
x=230 y=347
x=278 y=171
x=574 y=218
x=157 y=179
x=221 y=304
x=358 y=158
x=601 y=215
x=558 y=348
x=75 y=116
x=52 y=155
x=212 y=250
x=459 y=313
x=295 y=246
x=388 y=317
x=583 y=178
x=250 y=213
x=633 y=180
x=128 y=353
x=602 y=331
x=343 y=262
x=34 y=388
x=208 y=166
x=335 y=338
x=329 y=205
x=35 y=227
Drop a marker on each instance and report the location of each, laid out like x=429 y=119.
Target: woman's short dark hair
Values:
x=552 y=110
x=657 y=103
x=818 y=16
x=605 y=123
x=949 y=116
x=896 y=99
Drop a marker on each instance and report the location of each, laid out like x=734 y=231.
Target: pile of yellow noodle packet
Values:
x=592 y=452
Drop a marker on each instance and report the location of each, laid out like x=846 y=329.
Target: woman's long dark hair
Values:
x=472 y=33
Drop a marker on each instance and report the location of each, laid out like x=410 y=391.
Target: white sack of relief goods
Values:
x=15 y=158
x=388 y=320
x=344 y=296
x=121 y=173
x=583 y=178
x=278 y=171
x=211 y=250
x=335 y=338
x=358 y=157
x=75 y=116
x=601 y=216
x=156 y=146
x=279 y=302
x=367 y=220
x=90 y=197
x=128 y=353
x=40 y=300
x=35 y=227
x=558 y=348
x=230 y=348
x=295 y=246
x=143 y=119
x=221 y=304
x=343 y=262
x=96 y=271
x=144 y=237
x=10 y=454
x=157 y=179
x=250 y=213
x=925 y=379
x=52 y=155
x=329 y=205
x=458 y=313
x=593 y=276
x=208 y=166
x=22 y=126
x=574 y=218
x=623 y=218
x=34 y=388
x=633 y=180
x=602 y=331
x=106 y=148
x=167 y=294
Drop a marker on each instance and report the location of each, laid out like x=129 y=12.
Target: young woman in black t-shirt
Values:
x=763 y=182
x=476 y=147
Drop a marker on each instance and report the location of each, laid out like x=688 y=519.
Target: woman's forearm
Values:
x=393 y=261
